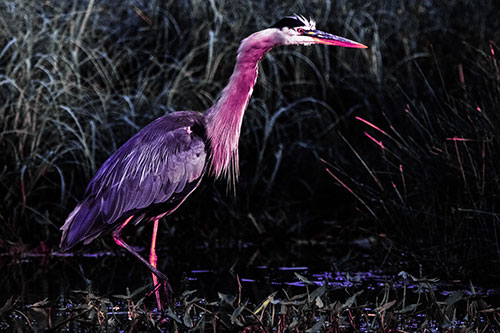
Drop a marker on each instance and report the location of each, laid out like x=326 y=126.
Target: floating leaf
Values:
x=299 y=296
x=385 y=306
x=228 y=299
x=317 y=326
x=39 y=304
x=188 y=321
x=294 y=323
x=172 y=315
x=350 y=301
x=318 y=292
x=319 y=303
x=455 y=297
x=8 y=305
x=408 y=308
x=188 y=292
x=266 y=302
x=133 y=294
x=350 y=278
x=472 y=289
x=262 y=306
x=236 y=313
x=303 y=279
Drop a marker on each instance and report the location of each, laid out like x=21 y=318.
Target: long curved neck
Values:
x=223 y=120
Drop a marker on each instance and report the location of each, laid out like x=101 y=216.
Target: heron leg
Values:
x=120 y=242
x=153 y=258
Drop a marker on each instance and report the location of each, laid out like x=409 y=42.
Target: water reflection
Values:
x=35 y=277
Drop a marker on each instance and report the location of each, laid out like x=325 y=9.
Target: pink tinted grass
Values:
x=371 y=124
x=397 y=192
x=381 y=145
x=459 y=159
x=455 y=138
x=351 y=191
x=402 y=178
x=492 y=50
x=483 y=171
x=372 y=174
x=461 y=74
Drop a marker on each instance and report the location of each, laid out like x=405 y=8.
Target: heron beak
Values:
x=321 y=37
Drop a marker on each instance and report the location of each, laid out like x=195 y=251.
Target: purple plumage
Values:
x=150 y=175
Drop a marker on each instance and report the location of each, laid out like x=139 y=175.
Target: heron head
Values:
x=297 y=30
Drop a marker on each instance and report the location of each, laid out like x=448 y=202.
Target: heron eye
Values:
x=300 y=31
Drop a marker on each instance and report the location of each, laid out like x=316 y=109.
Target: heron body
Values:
x=148 y=177
x=160 y=166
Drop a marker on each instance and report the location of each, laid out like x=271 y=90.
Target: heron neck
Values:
x=225 y=117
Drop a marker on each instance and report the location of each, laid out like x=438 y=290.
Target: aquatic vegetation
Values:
x=403 y=303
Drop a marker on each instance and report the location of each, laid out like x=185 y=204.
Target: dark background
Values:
x=77 y=79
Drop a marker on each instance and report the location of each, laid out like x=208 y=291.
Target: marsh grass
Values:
x=407 y=128
x=430 y=166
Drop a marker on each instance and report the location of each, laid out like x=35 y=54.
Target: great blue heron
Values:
x=152 y=174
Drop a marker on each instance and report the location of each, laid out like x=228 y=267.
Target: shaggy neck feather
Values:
x=223 y=120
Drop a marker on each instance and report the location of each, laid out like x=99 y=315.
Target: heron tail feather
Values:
x=79 y=225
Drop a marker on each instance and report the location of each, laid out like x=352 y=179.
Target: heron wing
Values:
x=161 y=164
x=151 y=171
